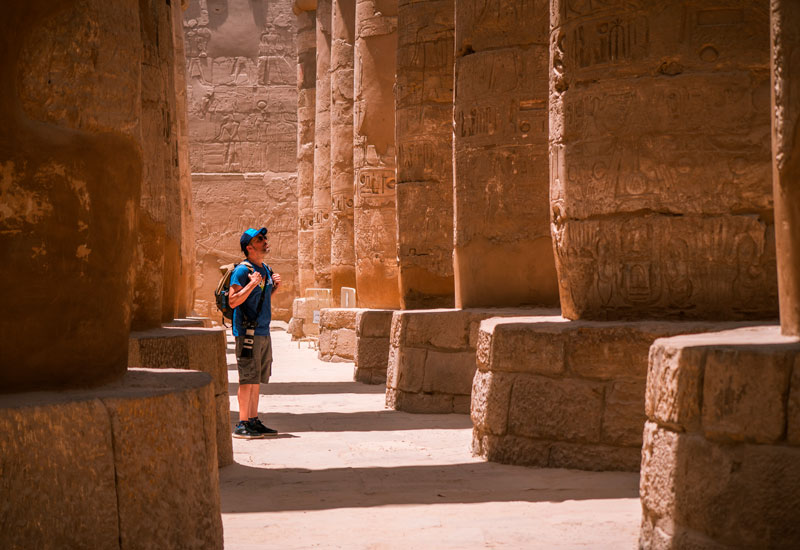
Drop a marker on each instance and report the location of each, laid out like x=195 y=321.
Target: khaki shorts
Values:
x=258 y=368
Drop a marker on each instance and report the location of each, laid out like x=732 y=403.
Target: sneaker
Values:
x=244 y=430
x=261 y=428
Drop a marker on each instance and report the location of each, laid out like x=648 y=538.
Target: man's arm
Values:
x=238 y=294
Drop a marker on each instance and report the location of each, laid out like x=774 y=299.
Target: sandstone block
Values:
x=335 y=318
x=566 y=410
x=372 y=353
x=623 y=415
x=737 y=495
x=408 y=369
x=461 y=404
x=526 y=347
x=449 y=372
x=607 y=350
x=674 y=386
x=444 y=329
x=374 y=323
x=491 y=400
x=223 y=430
x=511 y=450
x=594 y=457
x=423 y=403
x=102 y=469
x=793 y=428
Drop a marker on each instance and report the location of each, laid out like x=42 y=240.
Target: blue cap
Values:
x=248 y=236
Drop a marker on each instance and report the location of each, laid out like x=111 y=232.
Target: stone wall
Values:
x=660 y=160
x=373 y=329
x=424 y=132
x=337 y=338
x=242 y=99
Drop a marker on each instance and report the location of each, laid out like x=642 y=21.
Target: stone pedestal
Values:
x=432 y=358
x=322 y=149
x=425 y=152
x=373 y=328
x=721 y=455
x=306 y=113
x=343 y=254
x=110 y=467
x=337 y=337
x=503 y=254
x=660 y=160
x=306 y=312
x=375 y=212
x=565 y=394
x=201 y=349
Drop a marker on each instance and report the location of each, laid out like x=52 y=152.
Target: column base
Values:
x=129 y=465
x=337 y=336
x=373 y=327
x=555 y=393
x=201 y=349
x=721 y=456
x=432 y=358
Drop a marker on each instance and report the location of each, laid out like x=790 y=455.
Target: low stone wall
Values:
x=373 y=327
x=337 y=337
x=565 y=394
x=201 y=349
x=721 y=456
x=111 y=467
x=306 y=313
x=432 y=358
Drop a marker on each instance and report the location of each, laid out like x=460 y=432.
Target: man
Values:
x=252 y=286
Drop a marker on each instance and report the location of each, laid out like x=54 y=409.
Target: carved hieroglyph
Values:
x=660 y=174
x=425 y=152
x=322 y=150
x=503 y=253
x=374 y=153
x=343 y=259
x=786 y=156
x=70 y=167
x=241 y=67
x=306 y=112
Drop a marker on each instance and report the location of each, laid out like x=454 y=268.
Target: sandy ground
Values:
x=347 y=473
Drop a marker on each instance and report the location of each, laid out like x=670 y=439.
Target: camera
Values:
x=247 y=342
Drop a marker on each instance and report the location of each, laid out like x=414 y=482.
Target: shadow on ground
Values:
x=311 y=388
x=247 y=489
x=362 y=421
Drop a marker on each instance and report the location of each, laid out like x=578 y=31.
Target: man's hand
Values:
x=255 y=278
x=276 y=278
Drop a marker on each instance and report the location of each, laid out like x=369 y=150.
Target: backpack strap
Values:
x=263 y=292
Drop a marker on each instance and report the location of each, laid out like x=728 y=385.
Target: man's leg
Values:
x=245 y=395
x=252 y=410
x=248 y=380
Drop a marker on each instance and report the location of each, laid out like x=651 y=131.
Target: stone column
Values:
x=186 y=278
x=424 y=133
x=322 y=150
x=72 y=168
x=306 y=111
x=374 y=154
x=343 y=259
x=786 y=157
x=660 y=176
x=503 y=253
x=157 y=251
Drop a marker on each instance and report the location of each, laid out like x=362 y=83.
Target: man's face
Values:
x=260 y=243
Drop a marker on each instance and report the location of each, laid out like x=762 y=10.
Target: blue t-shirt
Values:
x=241 y=277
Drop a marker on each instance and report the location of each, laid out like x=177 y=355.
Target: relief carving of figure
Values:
x=229 y=136
x=273 y=68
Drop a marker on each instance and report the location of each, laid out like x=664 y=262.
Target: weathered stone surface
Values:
x=649 y=217
x=674 y=387
x=374 y=323
x=491 y=392
x=334 y=318
x=736 y=495
x=422 y=403
x=785 y=19
x=424 y=152
x=449 y=372
x=337 y=339
x=500 y=155
x=242 y=99
x=566 y=410
x=322 y=149
x=306 y=125
x=71 y=165
x=375 y=225
x=511 y=450
x=198 y=349
x=793 y=412
x=372 y=345
x=594 y=457
x=102 y=469
x=343 y=254
x=623 y=414
x=521 y=350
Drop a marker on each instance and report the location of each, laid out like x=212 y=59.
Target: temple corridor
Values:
x=347 y=473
